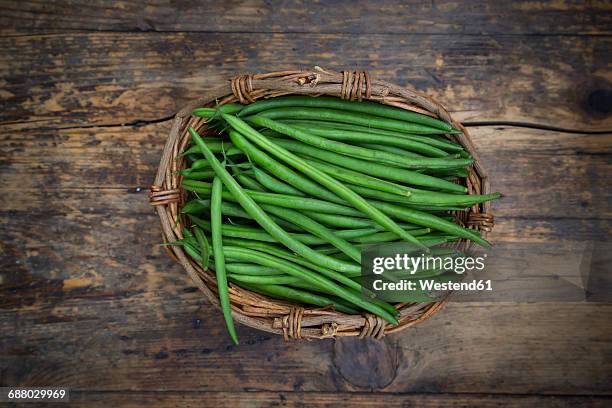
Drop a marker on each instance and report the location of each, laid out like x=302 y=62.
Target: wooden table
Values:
x=89 y=300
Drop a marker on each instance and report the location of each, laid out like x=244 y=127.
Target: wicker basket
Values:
x=272 y=315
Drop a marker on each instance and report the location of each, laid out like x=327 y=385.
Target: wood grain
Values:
x=64 y=80
x=329 y=400
x=388 y=16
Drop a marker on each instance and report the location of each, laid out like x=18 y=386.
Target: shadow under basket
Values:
x=291 y=320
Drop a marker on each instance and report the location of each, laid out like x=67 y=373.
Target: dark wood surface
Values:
x=89 y=300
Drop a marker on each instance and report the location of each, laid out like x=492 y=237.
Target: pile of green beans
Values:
x=287 y=193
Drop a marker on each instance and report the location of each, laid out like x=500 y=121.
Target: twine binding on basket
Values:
x=242 y=86
x=281 y=317
x=374 y=327
x=292 y=323
x=157 y=196
x=354 y=84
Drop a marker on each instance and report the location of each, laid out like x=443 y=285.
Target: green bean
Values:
x=300 y=296
x=380 y=195
x=195 y=206
x=434 y=198
x=303 y=203
x=430 y=240
x=315 y=228
x=251 y=269
x=199 y=164
x=247 y=182
x=462 y=173
x=371 y=108
x=423 y=201
x=342 y=305
x=361 y=179
x=434 y=140
x=440 y=142
x=373 y=169
x=198 y=175
x=265 y=280
x=363 y=137
x=274 y=184
x=262 y=258
x=257 y=234
x=391 y=149
x=356 y=151
x=199 y=206
x=281 y=171
x=284 y=254
x=370 y=187
x=193 y=253
x=466 y=155
x=386 y=236
x=233 y=210
x=191 y=158
x=352 y=285
x=189 y=236
x=263 y=219
x=217 y=244
x=429 y=220
x=343 y=221
x=231 y=108
x=336 y=187
x=204 y=247
x=216 y=146
x=362 y=119
x=214 y=140
x=330 y=250
x=298 y=203
x=239 y=231
x=382 y=304
x=185 y=243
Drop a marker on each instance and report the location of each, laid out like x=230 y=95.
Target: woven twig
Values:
x=281 y=317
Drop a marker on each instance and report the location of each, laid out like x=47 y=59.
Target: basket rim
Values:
x=281 y=317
